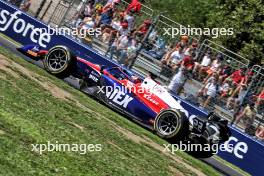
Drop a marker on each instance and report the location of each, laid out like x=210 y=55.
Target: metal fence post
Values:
x=40 y=8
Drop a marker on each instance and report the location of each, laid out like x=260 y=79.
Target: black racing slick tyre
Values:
x=172 y=125
x=59 y=61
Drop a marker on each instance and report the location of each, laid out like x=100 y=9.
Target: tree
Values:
x=185 y=12
x=246 y=17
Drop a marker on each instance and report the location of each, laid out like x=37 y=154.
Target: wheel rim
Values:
x=57 y=60
x=167 y=124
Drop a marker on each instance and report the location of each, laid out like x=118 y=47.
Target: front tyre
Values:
x=171 y=124
x=59 y=61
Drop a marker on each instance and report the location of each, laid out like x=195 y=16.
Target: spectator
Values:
x=113 y=48
x=25 y=5
x=88 y=8
x=124 y=28
x=260 y=133
x=237 y=99
x=109 y=1
x=199 y=67
x=153 y=37
x=131 y=53
x=129 y=17
x=213 y=76
x=97 y=13
x=214 y=67
x=106 y=17
x=260 y=99
x=114 y=28
x=210 y=91
x=112 y=44
x=183 y=42
x=88 y=23
x=225 y=89
x=225 y=71
x=134 y=6
x=177 y=83
x=174 y=58
x=143 y=28
x=127 y=41
x=158 y=47
x=119 y=47
x=111 y=5
x=247 y=113
x=238 y=77
x=188 y=61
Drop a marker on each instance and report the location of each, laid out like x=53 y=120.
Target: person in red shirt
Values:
x=143 y=29
x=260 y=99
x=238 y=77
x=134 y=6
x=241 y=78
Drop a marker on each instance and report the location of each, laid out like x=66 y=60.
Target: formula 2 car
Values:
x=143 y=100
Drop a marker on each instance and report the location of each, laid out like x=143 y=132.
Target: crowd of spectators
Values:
x=117 y=25
x=222 y=84
x=21 y=4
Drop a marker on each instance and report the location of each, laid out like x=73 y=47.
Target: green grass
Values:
x=30 y=114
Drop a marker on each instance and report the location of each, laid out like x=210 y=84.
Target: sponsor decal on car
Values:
x=119 y=98
x=149 y=98
x=94 y=78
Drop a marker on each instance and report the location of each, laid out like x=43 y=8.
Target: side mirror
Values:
x=102 y=69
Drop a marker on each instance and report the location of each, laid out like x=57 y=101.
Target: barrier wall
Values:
x=246 y=153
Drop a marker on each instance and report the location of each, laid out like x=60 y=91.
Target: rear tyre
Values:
x=59 y=61
x=172 y=125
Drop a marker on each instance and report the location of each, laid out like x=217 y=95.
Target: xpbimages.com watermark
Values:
x=189 y=31
x=59 y=147
x=238 y=149
x=130 y=89
x=80 y=32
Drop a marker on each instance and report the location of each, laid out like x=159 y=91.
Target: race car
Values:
x=141 y=99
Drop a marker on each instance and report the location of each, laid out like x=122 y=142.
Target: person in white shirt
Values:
x=210 y=91
x=173 y=58
x=119 y=47
x=206 y=61
x=178 y=81
x=125 y=43
x=129 y=17
x=215 y=66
